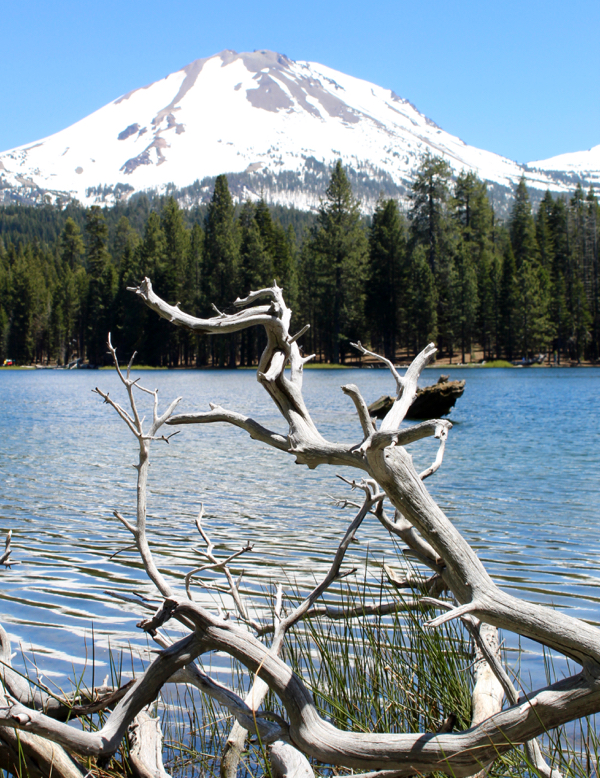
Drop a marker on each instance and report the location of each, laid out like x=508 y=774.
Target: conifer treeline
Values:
x=445 y=271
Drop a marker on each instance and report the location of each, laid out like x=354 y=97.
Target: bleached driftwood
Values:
x=389 y=474
x=145 y=747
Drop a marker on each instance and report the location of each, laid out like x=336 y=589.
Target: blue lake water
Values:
x=520 y=480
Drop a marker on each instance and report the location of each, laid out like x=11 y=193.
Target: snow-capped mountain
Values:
x=583 y=166
x=273 y=125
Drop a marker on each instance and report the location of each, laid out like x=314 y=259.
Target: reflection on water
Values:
x=519 y=480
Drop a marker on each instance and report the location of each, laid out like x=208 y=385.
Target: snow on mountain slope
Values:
x=578 y=164
x=259 y=114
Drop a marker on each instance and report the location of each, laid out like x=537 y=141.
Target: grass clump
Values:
x=497 y=363
x=372 y=674
x=369 y=674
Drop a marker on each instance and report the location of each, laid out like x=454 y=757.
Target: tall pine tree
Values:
x=221 y=263
x=339 y=245
x=432 y=228
x=387 y=259
x=102 y=286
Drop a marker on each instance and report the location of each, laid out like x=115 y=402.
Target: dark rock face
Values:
x=128 y=131
x=432 y=402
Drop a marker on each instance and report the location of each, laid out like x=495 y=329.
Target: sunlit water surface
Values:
x=519 y=479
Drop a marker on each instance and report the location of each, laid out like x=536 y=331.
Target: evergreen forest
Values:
x=438 y=267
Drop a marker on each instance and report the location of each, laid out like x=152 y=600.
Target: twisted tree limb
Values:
x=383 y=456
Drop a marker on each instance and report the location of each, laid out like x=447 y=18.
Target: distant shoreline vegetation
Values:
x=445 y=268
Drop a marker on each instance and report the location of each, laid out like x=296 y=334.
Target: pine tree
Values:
x=534 y=331
x=465 y=300
x=72 y=247
x=387 y=259
x=432 y=228
x=221 y=247
x=560 y=276
x=153 y=346
x=543 y=231
x=221 y=261
x=266 y=226
x=256 y=246
x=256 y=268
x=421 y=300
x=593 y=231
x=339 y=245
x=5 y=293
x=28 y=338
x=285 y=262
x=522 y=227
x=102 y=286
x=125 y=238
x=474 y=289
x=429 y=224
x=130 y=316
x=176 y=275
x=508 y=304
x=308 y=295
x=195 y=273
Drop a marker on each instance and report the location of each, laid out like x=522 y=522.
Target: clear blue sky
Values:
x=518 y=78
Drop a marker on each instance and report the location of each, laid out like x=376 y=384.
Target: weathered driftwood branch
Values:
x=338 y=614
x=462 y=752
x=144 y=438
x=223 y=566
x=145 y=747
x=488 y=694
x=298 y=765
x=373 y=496
x=61 y=708
x=22 y=753
x=382 y=456
x=4 y=559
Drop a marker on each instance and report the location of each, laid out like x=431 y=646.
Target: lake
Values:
x=519 y=479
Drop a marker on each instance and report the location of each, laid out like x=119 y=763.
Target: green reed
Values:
x=367 y=674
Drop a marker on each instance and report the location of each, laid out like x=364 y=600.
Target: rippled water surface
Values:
x=520 y=480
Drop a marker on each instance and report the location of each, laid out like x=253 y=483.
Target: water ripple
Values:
x=519 y=480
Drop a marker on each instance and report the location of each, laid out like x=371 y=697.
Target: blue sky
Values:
x=518 y=78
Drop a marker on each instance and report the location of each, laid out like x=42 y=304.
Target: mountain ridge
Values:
x=274 y=126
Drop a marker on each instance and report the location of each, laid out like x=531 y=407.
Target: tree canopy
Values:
x=438 y=265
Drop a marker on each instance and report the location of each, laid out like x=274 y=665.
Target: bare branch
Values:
x=409 y=381
x=398 y=378
x=220 y=324
x=216 y=564
x=338 y=614
x=420 y=547
x=253 y=428
x=441 y=433
x=4 y=559
x=145 y=747
x=372 y=497
x=299 y=334
x=489 y=701
x=452 y=613
x=122 y=413
x=254 y=296
x=366 y=422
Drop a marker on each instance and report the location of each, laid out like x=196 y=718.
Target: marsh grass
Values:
x=374 y=674
x=369 y=674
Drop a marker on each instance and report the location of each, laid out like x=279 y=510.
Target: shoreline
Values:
x=324 y=366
